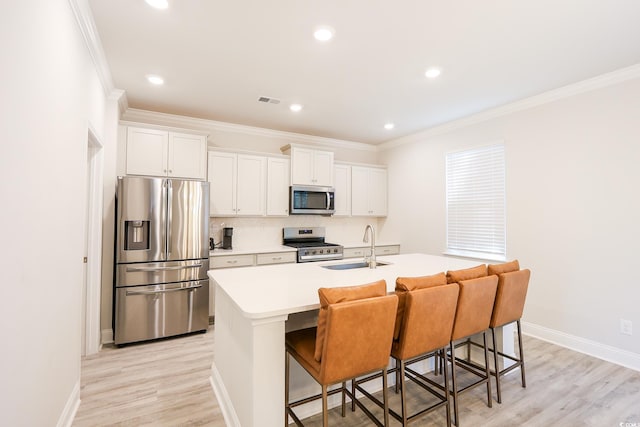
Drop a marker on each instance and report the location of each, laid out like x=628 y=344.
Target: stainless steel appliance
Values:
x=162 y=258
x=310 y=244
x=310 y=200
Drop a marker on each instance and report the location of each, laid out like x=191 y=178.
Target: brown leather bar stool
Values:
x=455 y=276
x=426 y=329
x=426 y=309
x=353 y=338
x=475 y=306
x=403 y=286
x=508 y=307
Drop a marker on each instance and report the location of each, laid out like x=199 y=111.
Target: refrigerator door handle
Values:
x=169 y=216
x=175 y=267
x=163 y=291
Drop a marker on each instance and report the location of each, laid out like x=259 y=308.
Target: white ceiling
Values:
x=217 y=57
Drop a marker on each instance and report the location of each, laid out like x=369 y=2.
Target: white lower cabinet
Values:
x=276 y=258
x=229 y=261
x=362 y=251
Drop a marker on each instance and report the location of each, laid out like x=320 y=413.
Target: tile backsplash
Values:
x=265 y=232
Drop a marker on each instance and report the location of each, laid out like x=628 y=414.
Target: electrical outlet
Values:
x=626 y=327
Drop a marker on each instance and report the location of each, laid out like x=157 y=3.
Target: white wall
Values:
x=573 y=211
x=50 y=94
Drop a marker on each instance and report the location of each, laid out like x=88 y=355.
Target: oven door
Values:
x=311 y=200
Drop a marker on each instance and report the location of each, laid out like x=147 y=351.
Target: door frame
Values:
x=95 y=188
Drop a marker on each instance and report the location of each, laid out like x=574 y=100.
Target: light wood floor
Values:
x=166 y=383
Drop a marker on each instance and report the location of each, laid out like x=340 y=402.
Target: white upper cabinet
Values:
x=311 y=167
x=250 y=197
x=342 y=185
x=277 y=186
x=187 y=156
x=222 y=183
x=236 y=184
x=368 y=191
x=164 y=153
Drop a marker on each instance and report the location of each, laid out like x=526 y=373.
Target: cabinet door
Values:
x=146 y=152
x=378 y=192
x=277 y=186
x=342 y=184
x=187 y=156
x=250 y=199
x=222 y=184
x=360 y=191
x=323 y=168
x=302 y=166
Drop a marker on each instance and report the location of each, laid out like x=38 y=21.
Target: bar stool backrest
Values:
x=358 y=338
x=454 y=276
x=428 y=320
x=475 y=306
x=407 y=284
x=510 y=297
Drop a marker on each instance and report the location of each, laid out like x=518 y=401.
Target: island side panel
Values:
x=248 y=365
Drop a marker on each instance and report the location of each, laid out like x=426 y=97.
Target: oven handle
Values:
x=163 y=291
x=328 y=200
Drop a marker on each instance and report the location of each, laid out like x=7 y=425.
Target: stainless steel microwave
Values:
x=310 y=200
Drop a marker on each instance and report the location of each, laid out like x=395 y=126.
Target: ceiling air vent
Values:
x=268 y=100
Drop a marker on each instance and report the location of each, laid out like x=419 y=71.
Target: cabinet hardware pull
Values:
x=235 y=261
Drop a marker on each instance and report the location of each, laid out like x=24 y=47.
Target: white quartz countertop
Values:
x=251 y=250
x=274 y=290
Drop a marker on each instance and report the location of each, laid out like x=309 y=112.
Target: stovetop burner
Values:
x=310 y=244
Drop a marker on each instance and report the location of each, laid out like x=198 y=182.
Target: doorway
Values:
x=92 y=247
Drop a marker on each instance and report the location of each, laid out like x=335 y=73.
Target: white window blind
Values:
x=476 y=203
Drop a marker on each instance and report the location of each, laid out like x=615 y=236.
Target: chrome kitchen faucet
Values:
x=372 y=258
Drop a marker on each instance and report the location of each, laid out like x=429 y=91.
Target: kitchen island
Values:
x=255 y=306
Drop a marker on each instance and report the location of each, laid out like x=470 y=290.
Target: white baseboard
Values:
x=611 y=354
x=106 y=336
x=226 y=407
x=70 y=409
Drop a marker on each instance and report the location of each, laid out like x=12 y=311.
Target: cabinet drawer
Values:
x=388 y=250
x=354 y=252
x=365 y=251
x=276 y=258
x=232 y=261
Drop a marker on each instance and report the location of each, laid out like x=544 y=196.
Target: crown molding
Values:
x=588 y=85
x=153 y=117
x=87 y=26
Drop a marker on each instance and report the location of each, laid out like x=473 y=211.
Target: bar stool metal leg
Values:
x=524 y=382
x=487 y=369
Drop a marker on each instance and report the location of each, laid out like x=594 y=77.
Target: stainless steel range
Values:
x=310 y=244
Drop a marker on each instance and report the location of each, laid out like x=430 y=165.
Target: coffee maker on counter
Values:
x=227 y=236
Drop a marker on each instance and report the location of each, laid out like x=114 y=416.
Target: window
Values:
x=476 y=203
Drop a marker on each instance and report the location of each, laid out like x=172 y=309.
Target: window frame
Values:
x=462 y=193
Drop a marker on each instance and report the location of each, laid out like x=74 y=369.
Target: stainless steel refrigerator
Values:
x=162 y=258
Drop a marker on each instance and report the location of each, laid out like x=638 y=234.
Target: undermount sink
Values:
x=351 y=265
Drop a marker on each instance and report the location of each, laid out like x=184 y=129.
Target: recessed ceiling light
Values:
x=323 y=34
x=389 y=126
x=158 y=4
x=432 y=73
x=295 y=107
x=155 y=80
